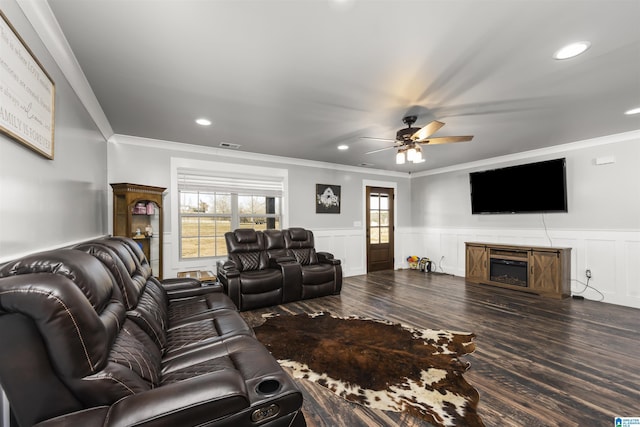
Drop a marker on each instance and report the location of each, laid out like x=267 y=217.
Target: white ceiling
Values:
x=298 y=78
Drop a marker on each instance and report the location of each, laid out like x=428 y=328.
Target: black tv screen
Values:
x=528 y=188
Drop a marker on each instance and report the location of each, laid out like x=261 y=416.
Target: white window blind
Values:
x=247 y=185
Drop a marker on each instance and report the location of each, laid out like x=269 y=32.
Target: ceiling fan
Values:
x=409 y=140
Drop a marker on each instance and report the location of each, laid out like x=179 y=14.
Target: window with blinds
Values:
x=212 y=205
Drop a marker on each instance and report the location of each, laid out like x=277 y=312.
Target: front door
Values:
x=379 y=229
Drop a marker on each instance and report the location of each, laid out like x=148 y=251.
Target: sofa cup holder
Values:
x=270 y=386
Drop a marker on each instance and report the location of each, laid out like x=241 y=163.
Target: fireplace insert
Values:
x=507 y=271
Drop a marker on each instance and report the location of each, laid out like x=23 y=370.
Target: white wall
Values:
x=602 y=225
x=51 y=203
x=149 y=162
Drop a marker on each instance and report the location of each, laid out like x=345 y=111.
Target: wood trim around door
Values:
x=380 y=228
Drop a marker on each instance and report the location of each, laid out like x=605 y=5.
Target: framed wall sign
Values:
x=27 y=93
x=327 y=198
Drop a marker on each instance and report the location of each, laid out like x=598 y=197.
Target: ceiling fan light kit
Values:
x=409 y=140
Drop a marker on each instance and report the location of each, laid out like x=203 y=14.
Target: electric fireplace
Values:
x=507 y=271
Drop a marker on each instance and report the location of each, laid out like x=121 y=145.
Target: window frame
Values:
x=224 y=170
x=234 y=215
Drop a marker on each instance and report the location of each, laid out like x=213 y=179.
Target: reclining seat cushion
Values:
x=146 y=305
x=258 y=284
x=246 y=249
x=134 y=349
x=191 y=335
x=78 y=309
x=120 y=263
x=300 y=244
x=136 y=251
x=177 y=308
x=274 y=244
x=242 y=354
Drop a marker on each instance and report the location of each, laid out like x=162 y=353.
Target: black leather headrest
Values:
x=246 y=235
x=298 y=234
x=274 y=239
x=88 y=274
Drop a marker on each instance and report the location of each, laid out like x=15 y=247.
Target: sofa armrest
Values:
x=276 y=262
x=327 y=258
x=87 y=417
x=227 y=269
x=175 y=284
x=188 y=293
x=195 y=401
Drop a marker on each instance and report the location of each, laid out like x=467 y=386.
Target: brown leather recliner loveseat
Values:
x=88 y=337
x=272 y=267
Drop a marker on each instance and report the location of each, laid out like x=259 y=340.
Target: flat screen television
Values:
x=529 y=188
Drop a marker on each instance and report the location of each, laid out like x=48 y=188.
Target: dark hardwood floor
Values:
x=538 y=361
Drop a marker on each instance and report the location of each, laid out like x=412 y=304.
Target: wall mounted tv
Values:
x=529 y=188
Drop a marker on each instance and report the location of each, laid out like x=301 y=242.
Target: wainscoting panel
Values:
x=631 y=257
x=347 y=245
x=612 y=256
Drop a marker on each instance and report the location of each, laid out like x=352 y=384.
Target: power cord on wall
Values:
x=544 y=224
x=587 y=286
x=442 y=269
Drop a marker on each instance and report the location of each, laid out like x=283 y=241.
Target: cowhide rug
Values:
x=378 y=364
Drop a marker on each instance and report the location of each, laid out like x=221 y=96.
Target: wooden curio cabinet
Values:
x=137 y=213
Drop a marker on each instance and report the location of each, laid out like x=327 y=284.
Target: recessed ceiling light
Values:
x=633 y=111
x=343 y=147
x=571 y=50
x=203 y=122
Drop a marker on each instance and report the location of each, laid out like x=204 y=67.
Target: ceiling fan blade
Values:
x=381 y=149
x=377 y=139
x=427 y=131
x=445 y=139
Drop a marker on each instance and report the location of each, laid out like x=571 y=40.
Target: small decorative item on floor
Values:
x=413 y=261
x=425 y=265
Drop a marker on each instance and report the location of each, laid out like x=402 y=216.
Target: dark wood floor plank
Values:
x=538 y=361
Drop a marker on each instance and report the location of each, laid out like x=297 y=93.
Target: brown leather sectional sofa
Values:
x=273 y=267
x=89 y=338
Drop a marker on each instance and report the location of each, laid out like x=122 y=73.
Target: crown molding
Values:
x=556 y=149
x=224 y=152
x=48 y=29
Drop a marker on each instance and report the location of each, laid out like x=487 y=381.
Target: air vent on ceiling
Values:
x=230 y=145
x=366 y=164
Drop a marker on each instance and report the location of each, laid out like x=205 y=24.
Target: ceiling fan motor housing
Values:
x=404 y=135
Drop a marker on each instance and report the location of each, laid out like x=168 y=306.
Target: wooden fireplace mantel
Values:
x=548 y=269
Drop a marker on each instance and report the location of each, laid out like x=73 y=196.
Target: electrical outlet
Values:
x=588 y=273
